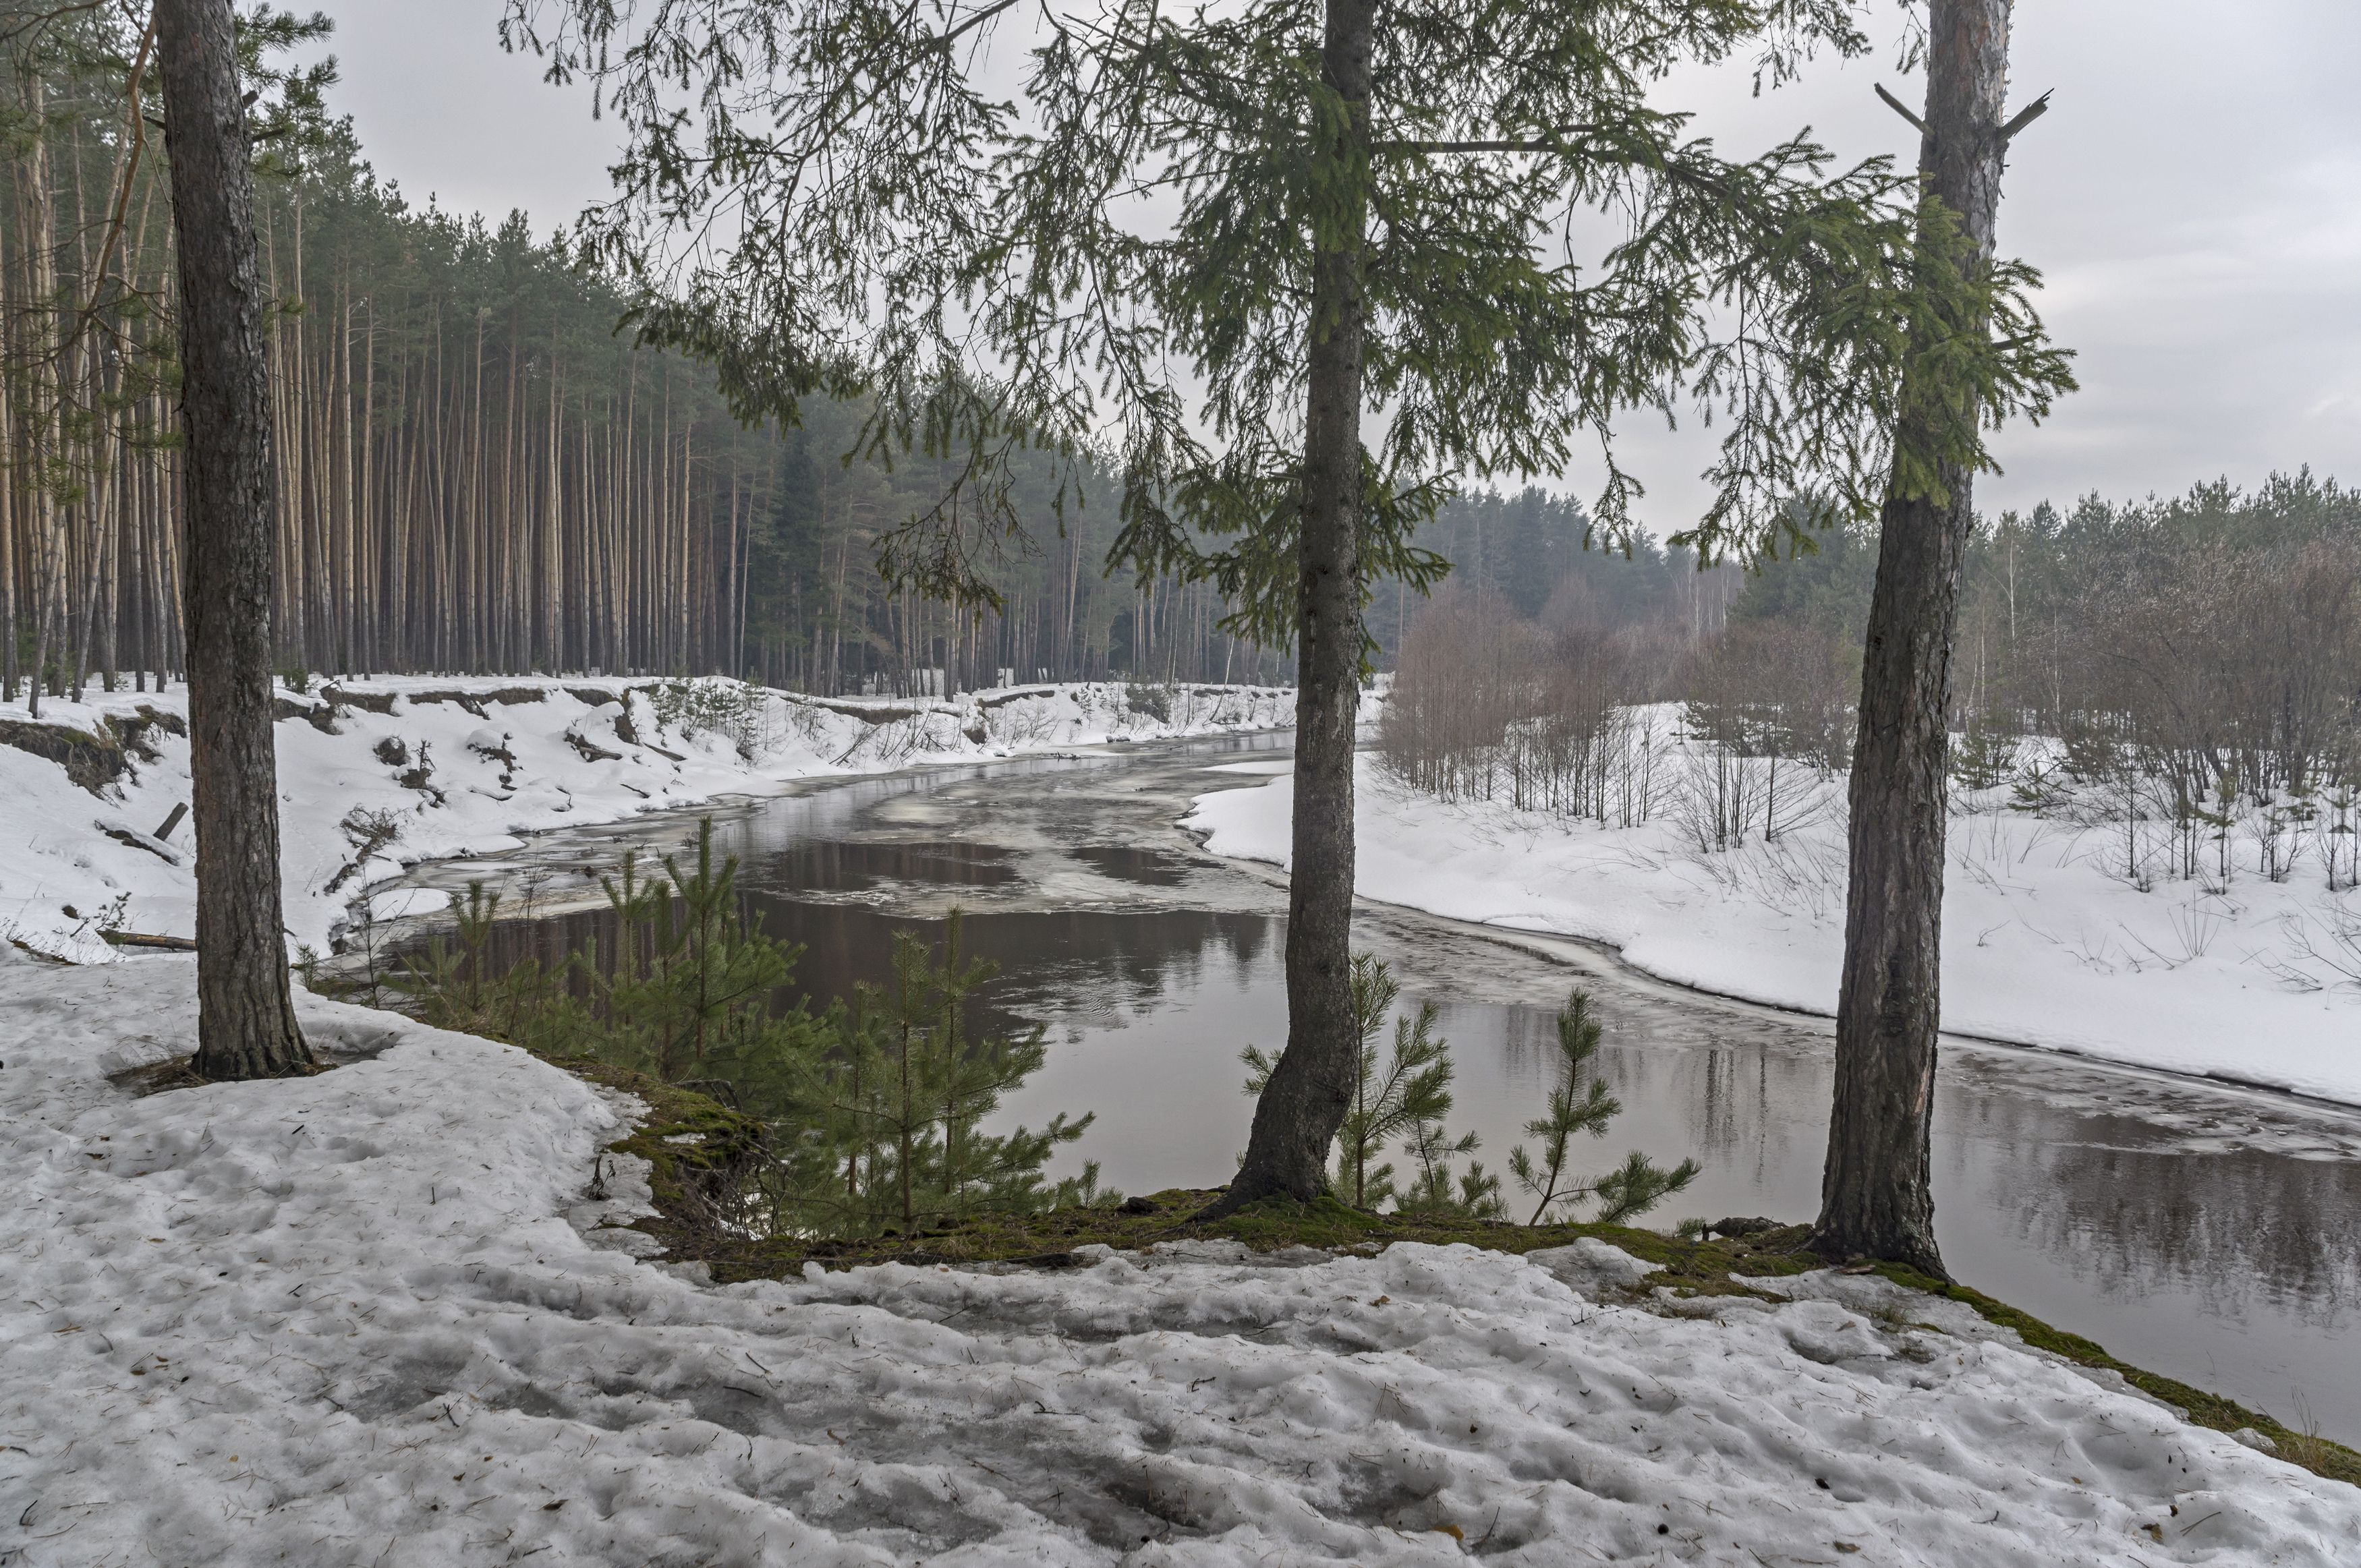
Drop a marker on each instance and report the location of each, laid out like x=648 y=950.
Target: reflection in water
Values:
x=2137 y=1211
x=854 y=866
x=2202 y=1232
x=2231 y=1267
x=1148 y=868
x=1071 y=969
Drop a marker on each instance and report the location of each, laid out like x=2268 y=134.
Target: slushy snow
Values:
x=371 y=1318
x=2042 y=946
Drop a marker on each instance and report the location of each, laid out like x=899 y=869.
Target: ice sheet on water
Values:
x=473 y=776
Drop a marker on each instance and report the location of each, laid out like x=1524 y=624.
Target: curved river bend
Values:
x=2204 y=1232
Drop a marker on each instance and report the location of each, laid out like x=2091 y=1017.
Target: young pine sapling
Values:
x=875 y=1108
x=454 y=985
x=1438 y=1189
x=1408 y=1100
x=1582 y=1103
x=890 y=1115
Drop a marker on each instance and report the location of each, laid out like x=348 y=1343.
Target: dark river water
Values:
x=2203 y=1231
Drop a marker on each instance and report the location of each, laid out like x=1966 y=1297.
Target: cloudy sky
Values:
x=2194 y=197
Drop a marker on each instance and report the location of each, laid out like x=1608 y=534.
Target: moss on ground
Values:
x=715 y=1144
x=684 y=1173
x=2314 y=1452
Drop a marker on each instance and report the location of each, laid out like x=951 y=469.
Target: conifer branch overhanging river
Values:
x=2191 y=1227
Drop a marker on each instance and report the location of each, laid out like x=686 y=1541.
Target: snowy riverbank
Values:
x=364 y=1318
x=378 y=774
x=2044 y=943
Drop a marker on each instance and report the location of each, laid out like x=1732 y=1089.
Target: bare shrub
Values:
x=1768 y=709
x=1487 y=707
x=1469 y=671
x=2214 y=685
x=2325 y=947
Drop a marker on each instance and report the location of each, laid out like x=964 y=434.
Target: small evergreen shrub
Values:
x=1984 y=757
x=1409 y=1099
x=1582 y=1104
x=732 y=709
x=1151 y=700
x=873 y=1108
x=888 y=1132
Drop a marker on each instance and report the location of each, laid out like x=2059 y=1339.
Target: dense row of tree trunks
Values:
x=1074 y=626
x=456 y=506
x=1876 y=1191
x=478 y=476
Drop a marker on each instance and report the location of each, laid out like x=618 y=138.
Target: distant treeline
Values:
x=1536 y=553
x=479 y=473
x=2195 y=658
x=2217 y=633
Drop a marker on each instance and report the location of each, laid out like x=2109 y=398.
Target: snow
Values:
x=366 y=1318
x=505 y=757
x=2045 y=943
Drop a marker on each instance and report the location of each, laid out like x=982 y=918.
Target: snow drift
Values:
x=368 y=1318
x=2042 y=946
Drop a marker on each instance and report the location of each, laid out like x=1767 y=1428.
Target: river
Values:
x=2201 y=1231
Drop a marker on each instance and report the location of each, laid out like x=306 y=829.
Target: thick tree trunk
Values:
x=1876 y=1198
x=1299 y=1110
x=246 y=1020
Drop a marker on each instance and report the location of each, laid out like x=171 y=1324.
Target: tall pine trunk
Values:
x=246 y=1019
x=1876 y=1196
x=1300 y=1109
x=41 y=438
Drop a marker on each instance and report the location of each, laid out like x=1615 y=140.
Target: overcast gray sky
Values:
x=2194 y=196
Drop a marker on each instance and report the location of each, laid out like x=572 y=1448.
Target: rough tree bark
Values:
x=246 y=1018
x=1299 y=1112
x=1876 y=1199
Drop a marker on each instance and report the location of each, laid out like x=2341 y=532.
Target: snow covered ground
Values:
x=365 y=1317
x=2046 y=941
x=378 y=774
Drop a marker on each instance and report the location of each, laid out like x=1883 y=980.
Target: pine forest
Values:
x=480 y=471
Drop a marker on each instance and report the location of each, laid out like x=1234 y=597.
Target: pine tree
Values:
x=1439 y=1189
x=1581 y=1103
x=694 y=976
x=1369 y=209
x=1413 y=1090
x=1410 y=1099
x=455 y=983
x=246 y=1015
x=888 y=1116
x=1876 y=1189
x=875 y=1108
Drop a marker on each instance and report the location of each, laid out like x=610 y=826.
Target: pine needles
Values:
x=876 y=1105
x=1581 y=1103
x=1408 y=1099
x=888 y=1132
